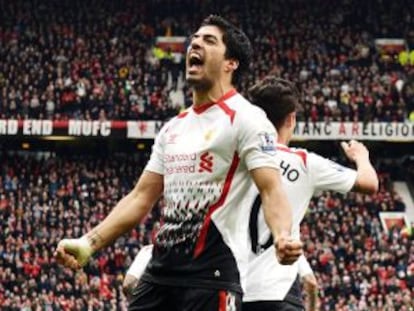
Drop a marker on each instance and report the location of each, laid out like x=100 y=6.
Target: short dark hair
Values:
x=237 y=43
x=276 y=96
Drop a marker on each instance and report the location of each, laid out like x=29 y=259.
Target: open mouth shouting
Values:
x=194 y=63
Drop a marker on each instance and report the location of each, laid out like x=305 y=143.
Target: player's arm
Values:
x=367 y=179
x=309 y=283
x=277 y=212
x=129 y=211
x=257 y=148
x=311 y=287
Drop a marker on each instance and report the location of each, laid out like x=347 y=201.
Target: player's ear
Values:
x=231 y=65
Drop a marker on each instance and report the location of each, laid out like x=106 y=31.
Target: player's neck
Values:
x=202 y=97
x=283 y=136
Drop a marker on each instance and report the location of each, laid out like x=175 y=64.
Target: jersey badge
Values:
x=268 y=142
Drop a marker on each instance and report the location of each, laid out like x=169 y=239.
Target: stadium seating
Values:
x=59 y=60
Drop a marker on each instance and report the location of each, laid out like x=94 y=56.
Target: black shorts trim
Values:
x=271 y=306
x=186 y=282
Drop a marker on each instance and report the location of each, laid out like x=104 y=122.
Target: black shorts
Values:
x=271 y=306
x=153 y=297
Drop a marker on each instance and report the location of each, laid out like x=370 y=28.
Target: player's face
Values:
x=205 y=58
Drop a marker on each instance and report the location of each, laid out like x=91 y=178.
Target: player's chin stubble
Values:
x=199 y=84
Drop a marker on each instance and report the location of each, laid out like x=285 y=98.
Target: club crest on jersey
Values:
x=208 y=135
x=268 y=143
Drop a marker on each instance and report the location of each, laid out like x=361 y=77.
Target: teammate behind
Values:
x=309 y=282
x=271 y=286
x=136 y=269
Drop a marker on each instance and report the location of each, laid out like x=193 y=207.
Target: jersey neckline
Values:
x=204 y=107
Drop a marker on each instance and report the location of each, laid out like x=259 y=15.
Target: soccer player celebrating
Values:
x=270 y=285
x=204 y=161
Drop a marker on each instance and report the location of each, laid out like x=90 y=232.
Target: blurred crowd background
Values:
x=98 y=60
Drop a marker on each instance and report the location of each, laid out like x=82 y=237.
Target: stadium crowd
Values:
x=95 y=60
x=42 y=199
x=358 y=265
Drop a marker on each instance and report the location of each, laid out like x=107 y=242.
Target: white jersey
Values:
x=205 y=155
x=304 y=267
x=140 y=262
x=303 y=174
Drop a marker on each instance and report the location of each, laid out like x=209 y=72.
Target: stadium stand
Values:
x=95 y=60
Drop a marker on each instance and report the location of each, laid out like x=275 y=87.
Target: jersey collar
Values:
x=204 y=107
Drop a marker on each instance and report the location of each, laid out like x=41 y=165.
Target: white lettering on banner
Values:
x=397 y=131
x=9 y=127
x=106 y=128
x=89 y=128
x=37 y=127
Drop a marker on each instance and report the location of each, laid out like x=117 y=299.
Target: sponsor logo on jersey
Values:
x=188 y=163
x=206 y=163
x=171 y=139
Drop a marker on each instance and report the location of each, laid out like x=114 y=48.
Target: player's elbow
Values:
x=367 y=184
x=373 y=187
x=311 y=284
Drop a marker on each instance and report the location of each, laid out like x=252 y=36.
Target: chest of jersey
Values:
x=199 y=147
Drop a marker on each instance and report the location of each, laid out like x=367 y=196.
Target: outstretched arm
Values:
x=129 y=211
x=367 y=179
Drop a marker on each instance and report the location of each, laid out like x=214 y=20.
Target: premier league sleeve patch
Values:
x=337 y=167
x=268 y=142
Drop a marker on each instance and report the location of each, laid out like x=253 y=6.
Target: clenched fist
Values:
x=73 y=253
x=355 y=151
x=288 y=250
